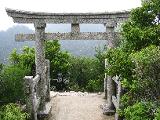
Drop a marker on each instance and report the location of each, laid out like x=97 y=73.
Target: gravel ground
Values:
x=78 y=106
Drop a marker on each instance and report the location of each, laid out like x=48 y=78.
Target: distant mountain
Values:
x=8 y=43
x=79 y=48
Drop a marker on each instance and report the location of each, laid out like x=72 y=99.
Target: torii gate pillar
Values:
x=109 y=87
x=40 y=59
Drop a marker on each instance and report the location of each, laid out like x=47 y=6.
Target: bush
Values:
x=94 y=86
x=11 y=83
x=139 y=111
x=12 y=112
x=83 y=70
x=157 y=114
x=147 y=67
x=59 y=60
x=145 y=83
x=120 y=63
x=25 y=59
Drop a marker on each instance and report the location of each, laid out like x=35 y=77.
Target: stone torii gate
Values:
x=40 y=19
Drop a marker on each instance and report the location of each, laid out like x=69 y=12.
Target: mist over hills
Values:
x=8 y=43
x=75 y=47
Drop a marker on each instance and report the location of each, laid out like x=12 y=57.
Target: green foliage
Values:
x=147 y=74
x=1 y=67
x=139 y=111
x=59 y=60
x=85 y=75
x=120 y=63
x=11 y=83
x=145 y=83
x=142 y=29
x=94 y=85
x=83 y=69
x=157 y=114
x=12 y=112
x=137 y=61
x=26 y=58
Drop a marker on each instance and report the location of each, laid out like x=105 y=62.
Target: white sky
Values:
x=62 y=6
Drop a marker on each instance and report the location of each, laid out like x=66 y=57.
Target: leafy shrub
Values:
x=147 y=67
x=26 y=58
x=145 y=83
x=83 y=70
x=120 y=63
x=94 y=86
x=142 y=28
x=157 y=114
x=11 y=83
x=139 y=111
x=12 y=112
x=59 y=60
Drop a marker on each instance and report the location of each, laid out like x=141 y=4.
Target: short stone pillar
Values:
x=105 y=81
x=48 y=80
x=28 y=95
x=40 y=59
x=108 y=82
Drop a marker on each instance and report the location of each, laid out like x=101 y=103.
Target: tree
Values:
x=137 y=58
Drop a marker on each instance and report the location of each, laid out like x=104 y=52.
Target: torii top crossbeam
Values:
x=73 y=18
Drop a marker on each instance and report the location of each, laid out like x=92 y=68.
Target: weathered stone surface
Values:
x=40 y=60
x=57 y=18
x=107 y=110
x=46 y=113
x=109 y=107
x=32 y=100
x=75 y=28
x=105 y=80
x=69 y=36
x=48 y=80
x=27 y=82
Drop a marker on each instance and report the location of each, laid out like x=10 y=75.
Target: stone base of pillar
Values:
x=107 y=110
x=45 y=114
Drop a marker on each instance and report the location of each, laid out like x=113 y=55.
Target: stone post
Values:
x=109 y=84
x=40 y=59
x=119 y=93
x=48 y=80
x=105 y=81
x=28 y=95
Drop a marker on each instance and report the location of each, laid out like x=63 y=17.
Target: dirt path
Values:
x=78 y=106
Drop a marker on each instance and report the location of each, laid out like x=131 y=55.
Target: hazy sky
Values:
x=63 y=6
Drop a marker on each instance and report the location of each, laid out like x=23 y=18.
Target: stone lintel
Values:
x=20 y=16
x=67 y=36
